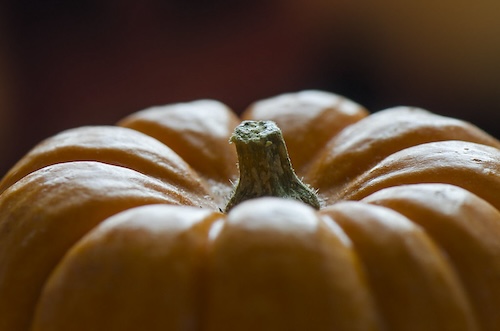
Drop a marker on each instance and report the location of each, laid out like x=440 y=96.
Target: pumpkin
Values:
x=128 y=227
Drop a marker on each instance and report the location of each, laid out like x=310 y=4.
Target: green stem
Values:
x=264 y=165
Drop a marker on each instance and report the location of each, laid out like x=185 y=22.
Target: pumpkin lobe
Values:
x=265 y=167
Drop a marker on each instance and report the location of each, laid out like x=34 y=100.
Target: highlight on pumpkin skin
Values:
x=146 y=263
x=475 y=167
x=197 y=131
x=310 y=116
x=465 y=227
x=363 y=144
x=112 y=145
x=412 y=280
x=46 y=212
x=265 y=168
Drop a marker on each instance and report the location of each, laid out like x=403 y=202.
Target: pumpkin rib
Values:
x=159 y=248
x=413 y=283
x=308 y=120
x=472 y=166
x=466 y=227
x=282 y=262
x=363 y=144
x=113 y=145
x=50 y=209
x=197 y=131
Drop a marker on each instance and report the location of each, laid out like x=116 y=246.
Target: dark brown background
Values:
x=70 y=63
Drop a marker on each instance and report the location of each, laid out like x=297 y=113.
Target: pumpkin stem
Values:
x=264 y=165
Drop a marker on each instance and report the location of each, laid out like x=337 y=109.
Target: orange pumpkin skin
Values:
x=419 y=251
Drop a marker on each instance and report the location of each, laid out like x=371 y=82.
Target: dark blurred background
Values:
x=71 y=63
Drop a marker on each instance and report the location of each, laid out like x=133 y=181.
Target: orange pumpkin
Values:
x=122 y=227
